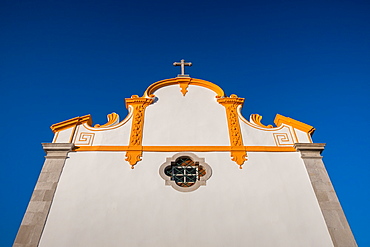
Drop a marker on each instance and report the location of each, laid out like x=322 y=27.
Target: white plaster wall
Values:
x=175 y=120
x=302 y=136
x=100 y=201
x=194 y=119
x=257 y=137
x=119 y=136
x=63 y=136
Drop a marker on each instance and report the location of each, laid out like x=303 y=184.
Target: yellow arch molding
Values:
x=183 y=82
x=255 y=125
x=279 y=121
x=256 y=118
x=113 y=118
x=107 y=126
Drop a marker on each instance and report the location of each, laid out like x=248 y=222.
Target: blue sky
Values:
x=308 y=60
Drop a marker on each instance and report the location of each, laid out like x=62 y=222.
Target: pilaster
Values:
x=34 y=219
x=331 y=209
x=231 y=104
x=135 y=149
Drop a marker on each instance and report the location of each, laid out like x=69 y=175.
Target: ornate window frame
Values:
x=201 y=181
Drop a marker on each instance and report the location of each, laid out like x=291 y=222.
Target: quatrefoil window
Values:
x=185 y=172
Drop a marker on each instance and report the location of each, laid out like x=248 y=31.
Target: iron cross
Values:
x=182 y=64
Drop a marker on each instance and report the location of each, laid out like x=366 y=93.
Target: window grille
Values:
x=185 y=172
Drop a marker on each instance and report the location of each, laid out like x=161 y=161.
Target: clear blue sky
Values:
x=309 y=60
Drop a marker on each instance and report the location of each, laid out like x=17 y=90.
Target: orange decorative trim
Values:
x=231 y=104
x=282 y=139
x=71 y=123
x=184 y=86
x=185 y=148
x=113 y=126
x=309 y=137
x=134 y=152
x=85 y=138
x=183 y=82
x=255 y=126
x=269 y=149
x=72 y=134
x=256 y=118
x=55 y=137
x=113 y=118
x=279 y=120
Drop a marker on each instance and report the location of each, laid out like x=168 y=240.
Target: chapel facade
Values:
x=183 y=168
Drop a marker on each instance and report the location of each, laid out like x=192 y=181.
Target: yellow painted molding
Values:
x=186 y=149
x=269 y=149
x=73 y=122
x=113 y=126
x=112 y=119
x=55 y=137
x=255 y=126
x=133 y=156
x=183 y=82
x=236 y=141
x=101 y=148
x=138 y=104
x=256 y=118
x=279 y=120
x=184 y=87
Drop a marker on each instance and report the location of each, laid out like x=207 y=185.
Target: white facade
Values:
x=100 y=201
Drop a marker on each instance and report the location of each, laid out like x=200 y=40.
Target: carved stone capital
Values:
x=310 y=150
x=232 y=100
x=135 y=100
x=57 y=150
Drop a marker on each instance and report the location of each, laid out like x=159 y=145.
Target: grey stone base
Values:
x=331 y=209
x=34 y=220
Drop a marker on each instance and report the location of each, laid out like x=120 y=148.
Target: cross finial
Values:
x=182 y=64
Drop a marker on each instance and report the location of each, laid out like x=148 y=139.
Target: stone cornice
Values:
x=57 y=150
x=310 y=150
